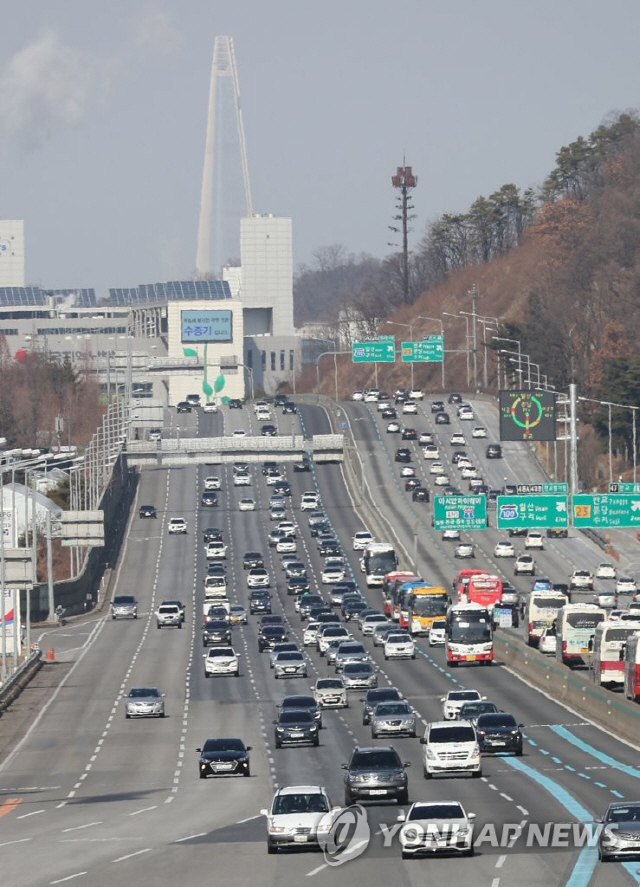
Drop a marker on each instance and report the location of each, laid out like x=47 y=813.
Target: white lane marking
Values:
x=144 y=810
x=33 y=813
x=68 y=878
x=19 y=841
x=76 y=828
x=249 y=818
x=190 y=837
x=500 y=862
x=130 y=855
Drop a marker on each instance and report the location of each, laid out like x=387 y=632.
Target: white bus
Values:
x=468 y=635
x=378 y=559
x=608 y=651
x=632 y=668
x=542 y=610
x=575 y=627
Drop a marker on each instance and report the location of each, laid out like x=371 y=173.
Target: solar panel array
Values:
x=33 y=296
x=154 y=293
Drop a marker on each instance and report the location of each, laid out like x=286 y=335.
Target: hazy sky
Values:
x=103 y=115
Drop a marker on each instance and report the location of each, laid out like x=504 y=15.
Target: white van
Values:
x=215 y=586
x=450 y=747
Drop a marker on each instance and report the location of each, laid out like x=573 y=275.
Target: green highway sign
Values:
x=430 y=350
x=460 y=512
x=606 y=510
x=387 y=339
x=373 y=352
x=526 y=489
x=532 y=511
x=624 y=488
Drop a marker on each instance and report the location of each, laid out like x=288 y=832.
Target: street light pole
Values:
x=466 y=320
x=335 y=369
x=410 y=328
x=440 y=321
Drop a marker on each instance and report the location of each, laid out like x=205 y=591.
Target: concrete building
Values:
x=266 y=252
x=11 y=252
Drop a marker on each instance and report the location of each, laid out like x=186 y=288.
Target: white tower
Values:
x=226 y=193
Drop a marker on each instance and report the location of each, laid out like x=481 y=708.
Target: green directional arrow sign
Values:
x=429 y=351
x=606 y=510
x=460 y=512
x=624 y=488
x=532 y=511
x=373 y=352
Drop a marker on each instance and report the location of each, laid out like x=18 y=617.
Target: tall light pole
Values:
x=513 y=342
x=477 y=318
x=335 y=369
x=441 y=322
x=466 y=320
x=409 y=326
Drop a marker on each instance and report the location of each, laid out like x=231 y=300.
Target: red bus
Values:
x=391 y=582
x=461 y=581
x=484 y=589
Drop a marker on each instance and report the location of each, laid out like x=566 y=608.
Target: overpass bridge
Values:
x=170 y=452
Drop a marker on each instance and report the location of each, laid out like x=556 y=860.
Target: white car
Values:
x=289 y=527
x=432 y=826
x=370 y=622
x=242 y=479
x=273 y=479
x=399 y=646
x=330 y=693
x=393 y=428
x=436 y=636
x=547 y=642
x=216 y=551
x=463 y=462
x=606 y=571
x=534 y=539
x=357 y=395
x=286 y=545
x=524 y=566
x=239 y=433
x=504 y=549
x=361 y=539
x=309 y=501
x=277 y=512
x=212 y=483
x=221 y=661
x=155 y=434
x=247 y=505
x=310 y=633
x=436 y=468
x=455 y=699
x=457 y=439
x=298 y=816
x=424 y=438
x=450 y=535
x=210 y=407
x=382 y=405
x=478 y=431
x=464 y=550
x=608 y=600
x=177 y=525
x=442 y=480
x=469 y=471
x=466 y=415
x=626 y=585
x=407 y=471
x=581 y=579
x=416 y=394
x=410 y=407
x=431 y=452
x=258 y=577
x=333 y=572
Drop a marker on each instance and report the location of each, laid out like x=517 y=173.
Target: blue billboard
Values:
x=206 y=326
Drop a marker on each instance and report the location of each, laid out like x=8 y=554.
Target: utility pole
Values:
x=404 y=180
x=474 y=315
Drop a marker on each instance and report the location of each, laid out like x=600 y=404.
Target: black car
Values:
x=374 y=697
x=455 y=398
x=269 y=466
x=401 y=397
x=216 y=632
x=329 y=548
x=437 y=406
x=443 y=418
x=183 y=407
x=259 y=602
x=297 y=585
x=517 y=531
x=302 y=702
x=389 y=413
x=147 y=511
x=289 y=407
x=457 y=455
x=209 y=499
x=499 y=732
x=216 y=569
x=224 y=757
x=403 y=454
x=303 y=465
x=279 y=400
x=409 y=434
x=420 y=494
x=212 y=534
x=252 y=559
x=375 y=773
x=493 y=451
x=235 y=403
x=321 y=612
x=352 y=609
x=271 y=635
x=268 y=431
x=296 y=727
x=411 y=483
x=282 y=488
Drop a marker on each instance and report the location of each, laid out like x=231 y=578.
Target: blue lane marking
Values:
x=600 y=784
x=616 y=793
x=584 y=775
x=594 y=752
x=531 y=742
x=556 y=760
x=569 y=767
x=543 y=751
x=588 y=857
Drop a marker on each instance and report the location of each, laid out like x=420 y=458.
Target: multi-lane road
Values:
x=90 y=797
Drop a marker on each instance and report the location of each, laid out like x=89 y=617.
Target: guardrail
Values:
x=12 y=688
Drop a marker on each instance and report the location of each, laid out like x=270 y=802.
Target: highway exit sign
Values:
x=532 y=511
x=430 y=350
x=460 y=512
x=373 y=352
x=606 y=510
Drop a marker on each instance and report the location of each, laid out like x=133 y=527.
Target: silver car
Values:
x=393 y=718
x=144 y=702
x=290 y=664
x=330 y=693
x=620 y=835
x=359 y=676
x=350 y=651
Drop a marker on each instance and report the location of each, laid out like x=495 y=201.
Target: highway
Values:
x=89 y=797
